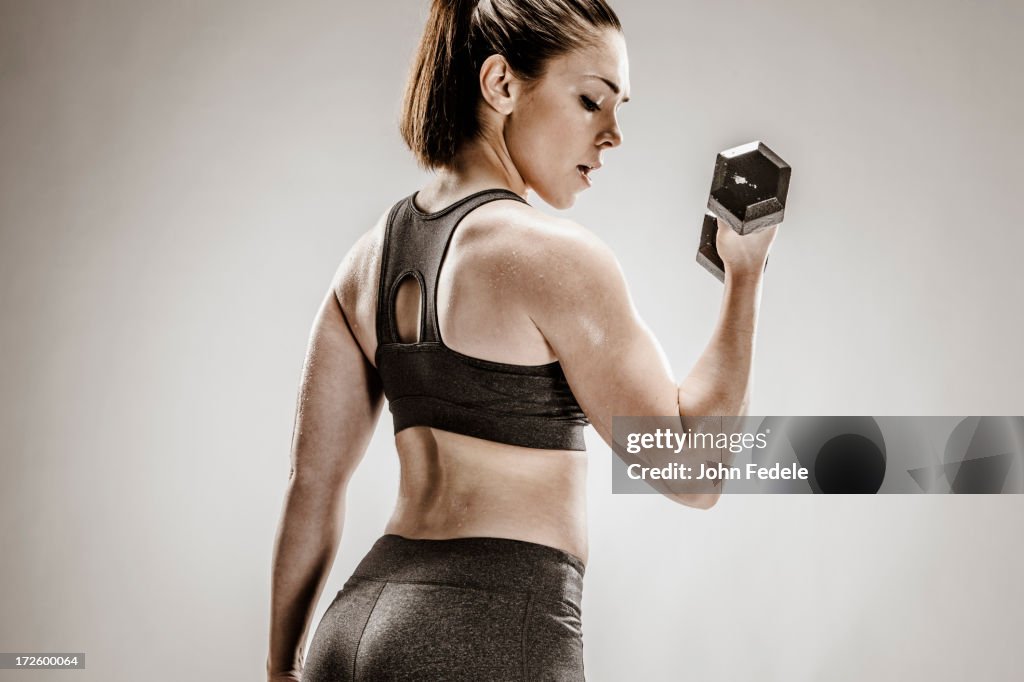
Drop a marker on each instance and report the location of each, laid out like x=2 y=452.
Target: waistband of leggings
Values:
x=500 y=564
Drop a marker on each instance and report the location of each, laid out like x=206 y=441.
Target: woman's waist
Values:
x=455 y=486
x=495 y=564
x=567 y=535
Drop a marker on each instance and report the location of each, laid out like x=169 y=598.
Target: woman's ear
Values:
x=498 y=84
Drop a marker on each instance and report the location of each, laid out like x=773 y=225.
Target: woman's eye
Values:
x=589 y=104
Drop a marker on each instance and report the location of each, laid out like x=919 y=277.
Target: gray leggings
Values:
x=480 y=609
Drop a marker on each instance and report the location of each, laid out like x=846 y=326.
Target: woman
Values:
x=495 y=343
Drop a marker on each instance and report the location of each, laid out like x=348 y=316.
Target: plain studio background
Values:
x=180 y=180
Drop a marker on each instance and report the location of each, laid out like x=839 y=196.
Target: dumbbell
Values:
x=748 y=192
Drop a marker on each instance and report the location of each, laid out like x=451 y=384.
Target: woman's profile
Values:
x=496 y=332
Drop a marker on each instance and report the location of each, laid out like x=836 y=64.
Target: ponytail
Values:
x=432 y=120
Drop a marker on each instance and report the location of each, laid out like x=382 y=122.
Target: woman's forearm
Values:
x=304 y=551
x=721 y=380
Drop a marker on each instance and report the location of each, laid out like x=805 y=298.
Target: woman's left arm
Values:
x=339 y=402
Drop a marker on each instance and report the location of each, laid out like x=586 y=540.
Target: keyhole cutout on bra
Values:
x=407 y=308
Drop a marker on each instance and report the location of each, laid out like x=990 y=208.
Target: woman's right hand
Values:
x=744 y=254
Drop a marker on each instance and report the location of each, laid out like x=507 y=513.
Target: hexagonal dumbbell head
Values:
x=749 y=187
x=748 y=192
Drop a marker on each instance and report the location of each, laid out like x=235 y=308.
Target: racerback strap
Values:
x=415 y=244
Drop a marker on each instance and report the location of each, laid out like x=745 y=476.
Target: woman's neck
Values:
x=478 y=166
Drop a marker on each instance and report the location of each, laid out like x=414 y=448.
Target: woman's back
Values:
x=454 y=485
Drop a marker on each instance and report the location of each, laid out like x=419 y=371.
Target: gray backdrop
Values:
x=179 y=180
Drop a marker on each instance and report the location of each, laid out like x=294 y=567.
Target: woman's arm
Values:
x=339 y=402
x=612 y=360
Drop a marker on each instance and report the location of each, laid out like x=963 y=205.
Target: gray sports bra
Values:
x=429 y=384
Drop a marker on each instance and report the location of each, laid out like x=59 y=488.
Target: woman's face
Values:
x=563 y=123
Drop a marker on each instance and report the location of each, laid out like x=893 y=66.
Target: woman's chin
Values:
x=560 y=200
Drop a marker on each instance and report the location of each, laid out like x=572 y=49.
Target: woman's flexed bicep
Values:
x=613 y=363
x=611 y=359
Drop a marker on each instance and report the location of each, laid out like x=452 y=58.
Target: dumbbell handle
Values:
x=707 y=254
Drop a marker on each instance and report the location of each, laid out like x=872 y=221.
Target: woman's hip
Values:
x=459 y=609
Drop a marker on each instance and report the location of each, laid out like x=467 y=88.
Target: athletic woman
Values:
x=496 y=332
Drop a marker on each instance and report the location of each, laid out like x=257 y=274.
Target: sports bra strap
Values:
x=415 y=244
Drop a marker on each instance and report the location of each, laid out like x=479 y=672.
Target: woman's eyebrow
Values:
x=611 y=84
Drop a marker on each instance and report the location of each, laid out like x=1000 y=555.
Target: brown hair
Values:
x=439 y=113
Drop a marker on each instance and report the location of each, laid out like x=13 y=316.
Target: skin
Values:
x=517 y=286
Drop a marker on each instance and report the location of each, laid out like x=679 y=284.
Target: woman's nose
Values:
x=611 y=137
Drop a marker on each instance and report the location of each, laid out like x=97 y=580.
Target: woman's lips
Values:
x=584 y=171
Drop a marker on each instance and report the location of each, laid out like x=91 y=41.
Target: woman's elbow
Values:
x=697 y=500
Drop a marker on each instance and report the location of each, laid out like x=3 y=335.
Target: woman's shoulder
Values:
x=514 y=232
x=562 y=276
x=362 y=256
x=522 y=219
x=359 y=266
